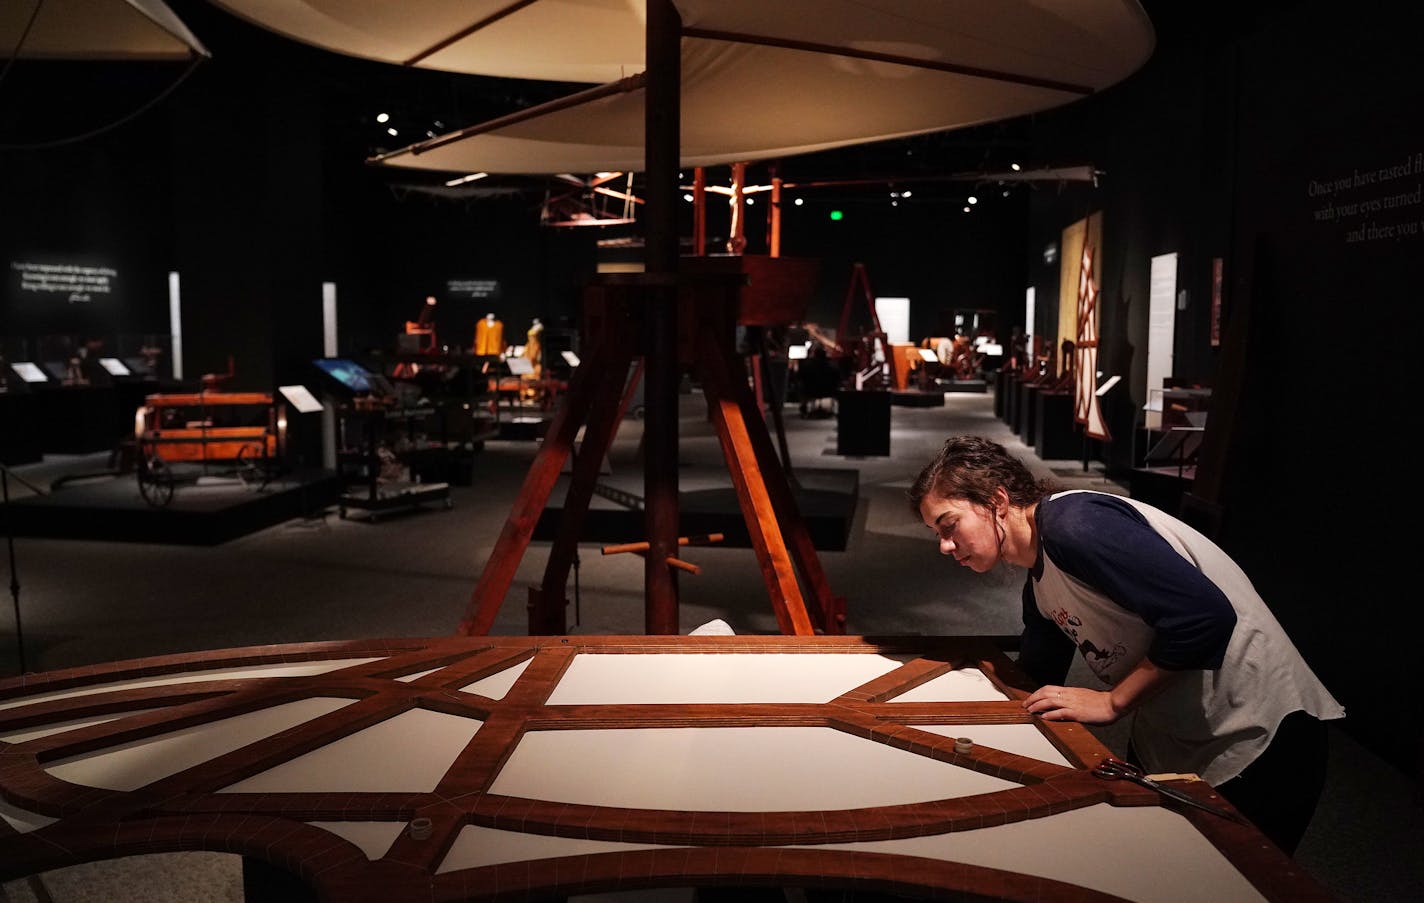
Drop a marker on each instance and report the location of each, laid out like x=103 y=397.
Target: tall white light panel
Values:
x=894 y=315
x=175 y=323
x=1161 y=327
x=1030 y=295
x=328 y=349
x=328 y=319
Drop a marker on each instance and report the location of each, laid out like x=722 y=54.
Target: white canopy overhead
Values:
x=760 y=78
x=95 y=30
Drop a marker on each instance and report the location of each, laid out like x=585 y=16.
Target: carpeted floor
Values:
x=412 y=574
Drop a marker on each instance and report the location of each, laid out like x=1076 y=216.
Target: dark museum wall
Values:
x=100 y=204
x=1279 y=136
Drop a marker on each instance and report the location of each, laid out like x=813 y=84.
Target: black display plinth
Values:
x=707 y=503
x=863 y=423
x=966 y=385
x=205 y=514
x=1011 y=401
x=1027 y=427
x=76 y=420
x=1023 y=402
x=20 y=428
x=1160 y=487
x=914 y=398
x=1056 y=436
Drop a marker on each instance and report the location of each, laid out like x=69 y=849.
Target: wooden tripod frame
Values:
x=596 y=399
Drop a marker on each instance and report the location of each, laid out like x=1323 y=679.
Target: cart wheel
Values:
x=252 y=469
x=155 y=481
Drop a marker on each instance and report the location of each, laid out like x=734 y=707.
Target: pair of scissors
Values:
x=1117 y=770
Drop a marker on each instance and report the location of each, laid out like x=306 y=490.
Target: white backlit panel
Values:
x=476 y=846
x=741 y=769
x=1186 y=868
x=496 y=685
x=279 y=669
x=408 y=753
x=141 y=762
x=740 y=677
x=963 y=685
x=373 y=837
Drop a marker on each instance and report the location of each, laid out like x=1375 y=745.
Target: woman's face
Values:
x=966 y=531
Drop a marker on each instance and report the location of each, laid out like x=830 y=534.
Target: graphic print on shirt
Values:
x=1099 y=659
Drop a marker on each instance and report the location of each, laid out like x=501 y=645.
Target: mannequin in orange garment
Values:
x=489 y=336
x=533 y=349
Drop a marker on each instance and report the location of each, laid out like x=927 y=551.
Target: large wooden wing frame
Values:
x=501 y=692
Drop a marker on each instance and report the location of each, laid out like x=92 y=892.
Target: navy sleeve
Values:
x=1045 y=652
x=1106 y=543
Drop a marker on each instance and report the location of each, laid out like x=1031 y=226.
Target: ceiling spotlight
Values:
x=894 y=203
x=383 y=117
x=1006 y=192
x=972 y=199
x=1015 y=167
x=439 y=124
x=966 y=209
x=894 y=194
x=904 y=194
x=800 y=201
x=751 y=202
x=392 y=132
x=687 y=197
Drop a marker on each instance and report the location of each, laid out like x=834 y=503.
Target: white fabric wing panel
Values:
x=741 y=100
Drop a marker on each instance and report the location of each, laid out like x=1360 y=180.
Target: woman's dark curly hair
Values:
x=971 y=468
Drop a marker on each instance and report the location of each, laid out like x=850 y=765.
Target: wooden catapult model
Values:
x=709 y=297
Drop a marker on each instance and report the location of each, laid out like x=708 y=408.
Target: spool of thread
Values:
x=420 y=828
x=963 y=744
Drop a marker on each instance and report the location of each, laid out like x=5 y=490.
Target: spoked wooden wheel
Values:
x=253 y=468
x=155 y=481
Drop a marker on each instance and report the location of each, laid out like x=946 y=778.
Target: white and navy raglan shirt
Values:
x=1122 y=580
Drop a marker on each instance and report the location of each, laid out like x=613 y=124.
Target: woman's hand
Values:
x=1054 y=703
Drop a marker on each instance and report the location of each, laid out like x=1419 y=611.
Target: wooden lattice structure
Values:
x=1086 y=409
x=482 y=768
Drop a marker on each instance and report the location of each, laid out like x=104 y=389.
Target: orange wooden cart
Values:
x=182 y=436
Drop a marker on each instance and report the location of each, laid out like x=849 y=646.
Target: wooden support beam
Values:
x=503 y=562
x=662 y=124
x=547 y=605
x=826 y=610
x=733 y=430
x=706 y=539
x=684 y=565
